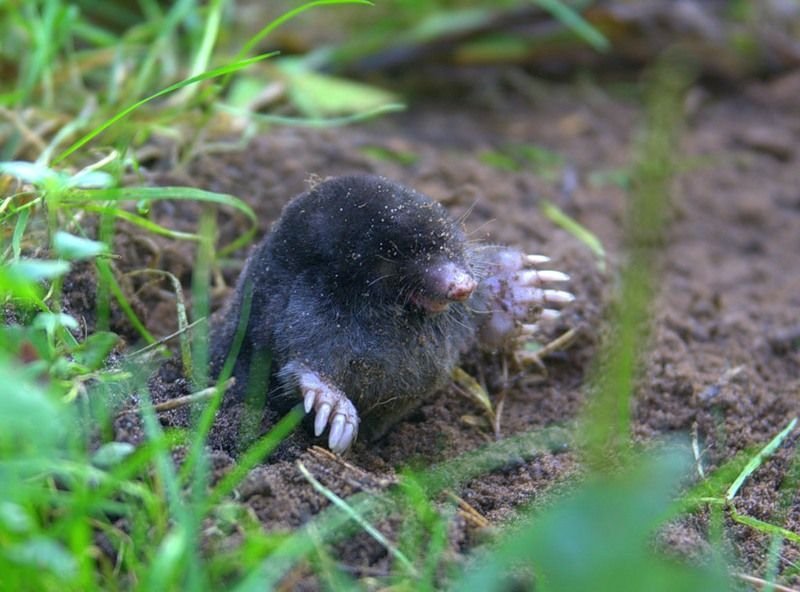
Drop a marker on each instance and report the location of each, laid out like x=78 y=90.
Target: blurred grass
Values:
x=77 y=517
x=608 y=415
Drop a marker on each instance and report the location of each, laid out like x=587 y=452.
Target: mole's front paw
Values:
x=332 y=407
x=518 y=295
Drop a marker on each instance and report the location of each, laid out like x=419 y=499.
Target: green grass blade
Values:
x=105 y=271
x=319 y=122
x=575 y=228
x=209 y=413
x=758 y=459
x=142 y=222
x=358 y=519
x=216 y=72
x=254 y=456
x=334 y=525
x=182 y=538
x=203 y=56
x=607 y=417
x=19 y=231
x=176 y=193
x=167 y=25
x=571 y=19
x=598 y=537
x=765 y=527
x=210 y=33
x=180 y=303
x=255 y=39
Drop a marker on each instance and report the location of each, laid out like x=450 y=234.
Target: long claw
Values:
x=308 y=400
x=536 y=259
x=558 y=296
x=537 y=277
x=526 y=294
x=323 y=413
x=333 y=410
x=550 y=314
x=335 y=435
x=349 y=435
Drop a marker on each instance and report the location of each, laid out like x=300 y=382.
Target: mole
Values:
x=360 y=301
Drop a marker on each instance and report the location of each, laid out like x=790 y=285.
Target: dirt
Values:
x=724 y=361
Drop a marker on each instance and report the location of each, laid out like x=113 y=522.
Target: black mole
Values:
x=361 y=300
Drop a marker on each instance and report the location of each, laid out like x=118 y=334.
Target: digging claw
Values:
x=519 y=296
x=308 y=401
x=323 y=412
x=332 y=408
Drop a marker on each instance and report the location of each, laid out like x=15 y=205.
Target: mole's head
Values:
x=373 y=239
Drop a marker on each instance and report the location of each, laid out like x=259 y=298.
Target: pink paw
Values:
x=519 y=296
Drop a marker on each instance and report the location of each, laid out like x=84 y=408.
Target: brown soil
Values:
x=725 y=357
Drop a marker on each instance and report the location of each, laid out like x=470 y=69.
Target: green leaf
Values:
x=43 y=553
x=599 y=538
x=29 y=418
x=50 y=321
x=91 y=180
x=112 y=454
x=576 y=229
x=73 y=247
x=14 y=518
x=38 y=269
x=165 y=567
x=386 y=154
x=498 y=160
x=321 y=95
x=16 y=285
x=28 y=172
x=244 y=90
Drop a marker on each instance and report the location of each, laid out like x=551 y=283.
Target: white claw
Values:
x=349 y=435
x=308 y=400
x=538 y=277
x=558 y=296
x=536 y=259
x=335 y=436
x=551 y=275
x=529 y=329
x=323 y=413
x=526 y=294
x=550 y=313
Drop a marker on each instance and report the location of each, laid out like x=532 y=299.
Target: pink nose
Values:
x=460 y=284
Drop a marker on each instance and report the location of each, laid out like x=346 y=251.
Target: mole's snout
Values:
x=452 y=282
x=461 y=285
x=444 y=284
